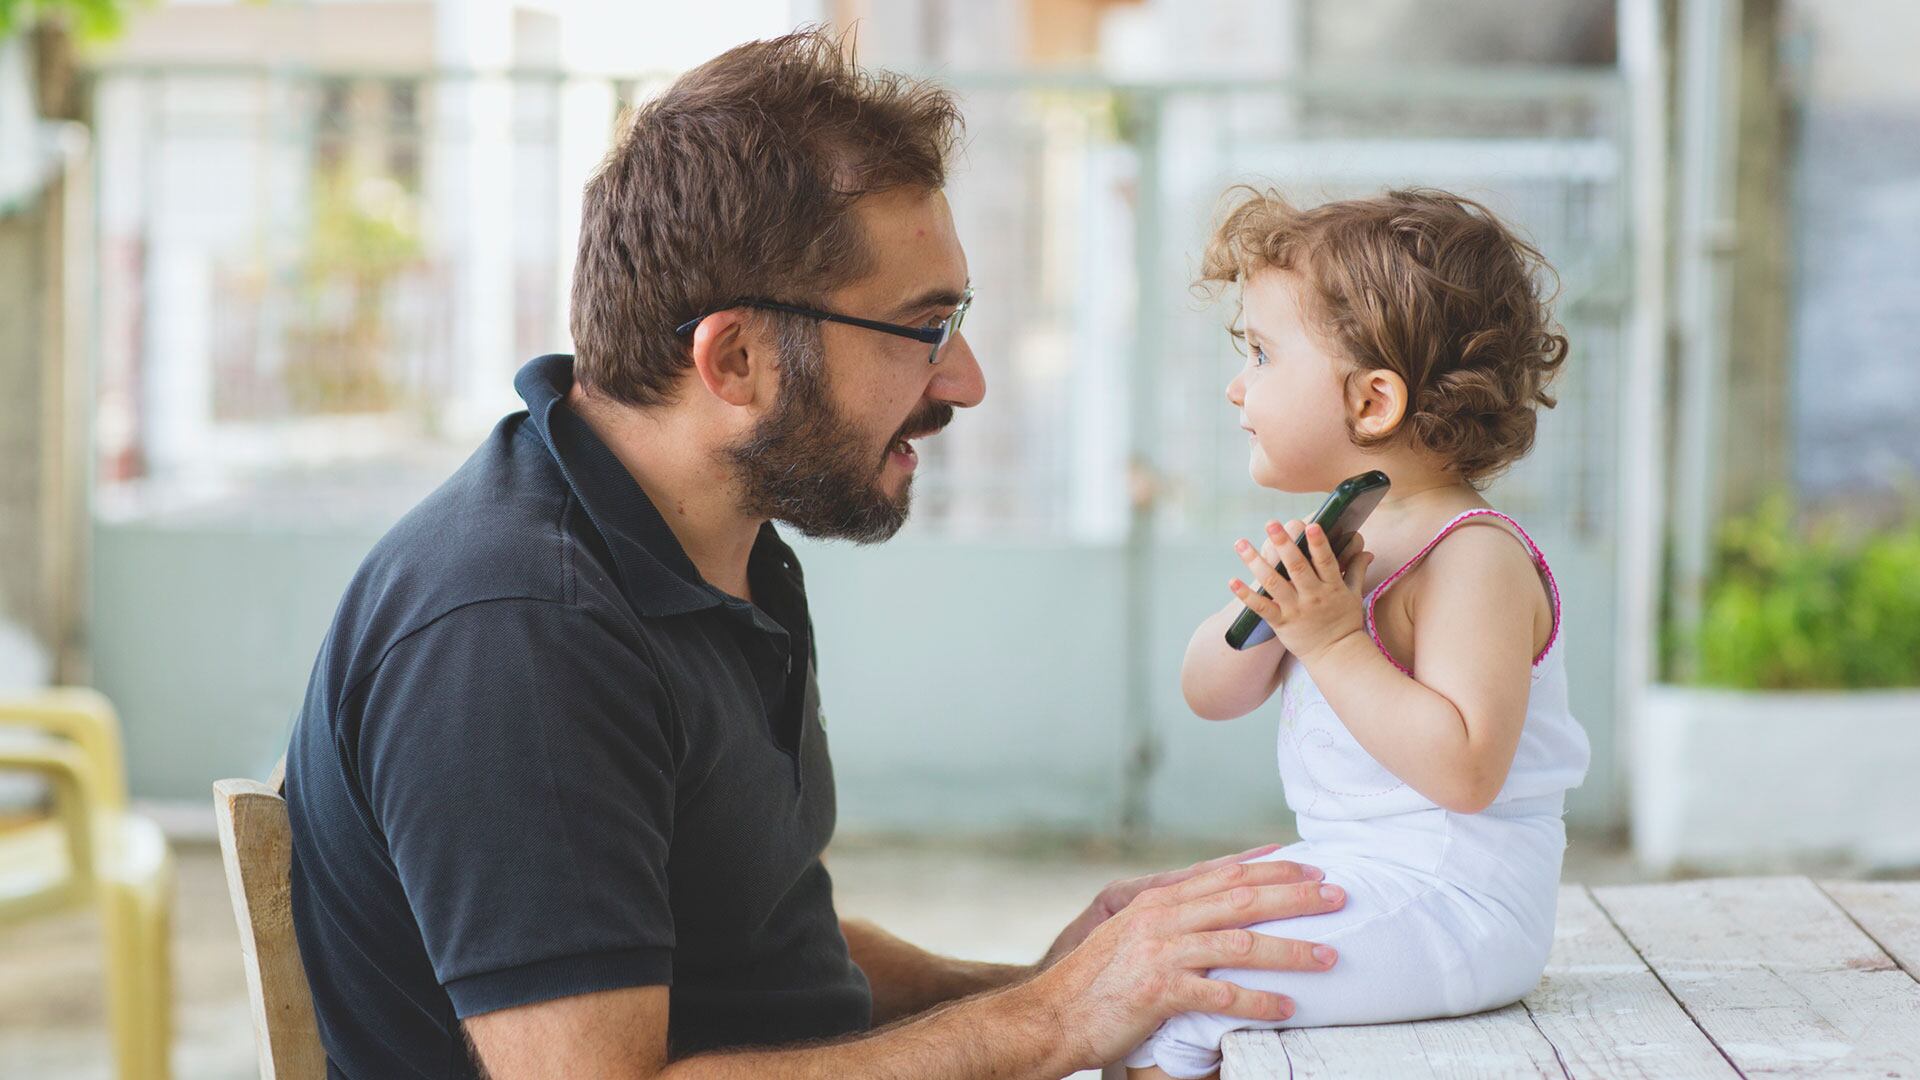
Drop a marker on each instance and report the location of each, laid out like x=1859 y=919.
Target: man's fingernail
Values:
x=1325 y=954
x=1331 y=893
x=1313 y=873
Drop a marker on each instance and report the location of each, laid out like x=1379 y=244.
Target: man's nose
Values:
x=957 y=378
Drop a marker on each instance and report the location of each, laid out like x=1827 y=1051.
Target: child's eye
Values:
x=1258 y=355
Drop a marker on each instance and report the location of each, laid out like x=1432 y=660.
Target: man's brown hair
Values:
x=1428 y=285
x=739 y=181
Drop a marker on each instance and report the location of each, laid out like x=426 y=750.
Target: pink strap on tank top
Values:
x=1540 y=560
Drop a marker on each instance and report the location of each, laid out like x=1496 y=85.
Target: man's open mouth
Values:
x=903 y=445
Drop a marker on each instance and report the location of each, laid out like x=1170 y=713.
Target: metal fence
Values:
x=1085 y=207
x=300 y=266
x=315 y=288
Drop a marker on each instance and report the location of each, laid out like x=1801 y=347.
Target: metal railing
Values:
x=300 y=268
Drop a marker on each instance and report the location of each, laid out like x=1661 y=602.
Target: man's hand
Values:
x=1149 y=960
x=1119 y=894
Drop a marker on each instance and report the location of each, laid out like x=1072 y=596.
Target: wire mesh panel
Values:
x=1545 y=154
x=315 y=290
x=1049 y=200
x=299 y=262
x=1551 y=167
x=1085 y=206
x=1041 y=197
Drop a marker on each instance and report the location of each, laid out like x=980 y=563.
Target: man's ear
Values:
x=730 y=358
x=1377 y=402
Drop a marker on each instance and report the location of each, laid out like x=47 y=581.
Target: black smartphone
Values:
x=1339 y=517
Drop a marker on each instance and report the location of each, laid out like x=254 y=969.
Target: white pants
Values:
x=1446 y=914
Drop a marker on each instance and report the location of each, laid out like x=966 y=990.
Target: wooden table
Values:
x=1716 y=978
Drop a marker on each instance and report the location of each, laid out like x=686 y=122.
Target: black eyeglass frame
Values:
x=936 y=336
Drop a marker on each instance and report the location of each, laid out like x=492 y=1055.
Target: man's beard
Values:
x=806 y=464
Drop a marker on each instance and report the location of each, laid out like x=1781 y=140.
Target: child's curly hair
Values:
x=1423 y=283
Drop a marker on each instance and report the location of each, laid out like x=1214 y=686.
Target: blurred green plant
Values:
x=362 y=238
x=90 y=19
x=1802 y=608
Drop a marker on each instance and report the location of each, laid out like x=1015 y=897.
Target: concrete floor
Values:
x=989 y=901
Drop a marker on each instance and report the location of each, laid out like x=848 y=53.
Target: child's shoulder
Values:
x=1471 y=568
x=1482 y=544
x=1470 y=549
x=1480 y=558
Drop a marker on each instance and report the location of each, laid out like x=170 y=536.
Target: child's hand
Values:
x=1315 y=605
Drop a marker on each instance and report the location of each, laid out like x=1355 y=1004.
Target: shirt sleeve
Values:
x=518 y=760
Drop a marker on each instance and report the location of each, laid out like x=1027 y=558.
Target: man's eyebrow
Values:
x=938 y=296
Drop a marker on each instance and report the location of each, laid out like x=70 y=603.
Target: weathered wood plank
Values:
x=1598 y=1006
x=1889 y=911
x=1495 y=1045
x=257 y=847
x=1498 y=1044
x=1606 y=1013
x=1253 y=1055
x=1776 y=974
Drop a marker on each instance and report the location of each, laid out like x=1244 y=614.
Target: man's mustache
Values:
x=922 y=424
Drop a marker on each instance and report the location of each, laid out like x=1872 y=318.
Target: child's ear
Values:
x=1377 y=401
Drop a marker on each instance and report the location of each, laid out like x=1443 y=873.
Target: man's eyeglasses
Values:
x=936 y=335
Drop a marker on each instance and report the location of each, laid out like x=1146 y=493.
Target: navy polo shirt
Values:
x=540 y=756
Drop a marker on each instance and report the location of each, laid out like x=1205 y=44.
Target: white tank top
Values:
x=1329 y=776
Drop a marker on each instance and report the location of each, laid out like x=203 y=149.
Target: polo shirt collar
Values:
x=657 y=576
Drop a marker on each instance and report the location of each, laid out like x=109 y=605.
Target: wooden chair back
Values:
x=256 y=844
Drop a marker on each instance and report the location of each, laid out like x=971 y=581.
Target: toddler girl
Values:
x=1425 y=741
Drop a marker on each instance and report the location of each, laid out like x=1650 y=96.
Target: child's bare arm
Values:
x=1224 y=683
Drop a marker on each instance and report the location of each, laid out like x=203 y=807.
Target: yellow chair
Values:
x=93 y=851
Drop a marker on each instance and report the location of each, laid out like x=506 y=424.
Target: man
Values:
x=559 y=789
